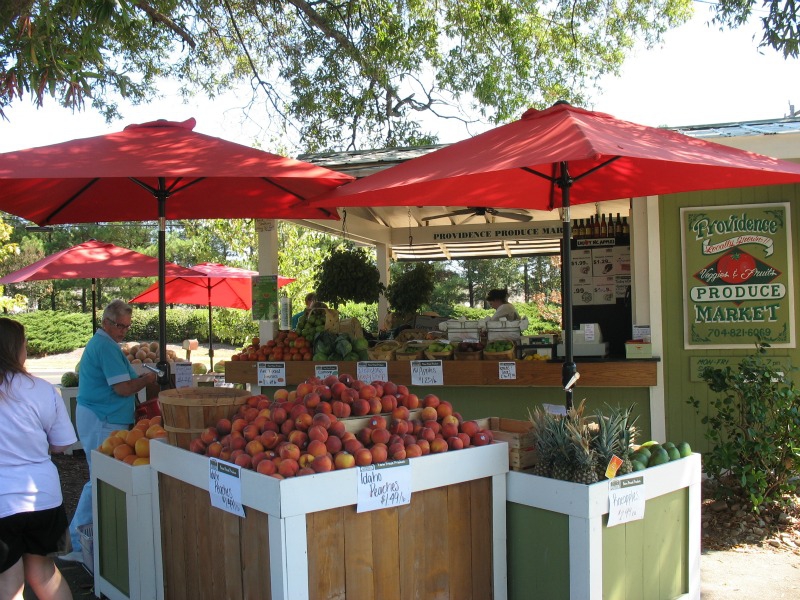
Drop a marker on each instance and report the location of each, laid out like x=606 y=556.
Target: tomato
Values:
x=736 y=267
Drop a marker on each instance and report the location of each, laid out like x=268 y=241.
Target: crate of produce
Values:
x=439 y=350
x=468 y=351
x=458 y=330
x=188 y=411
x=384 y=350
x=411 y=334
x=500 y=350
x=412 y=350
x=518 y=435
x=505 y=330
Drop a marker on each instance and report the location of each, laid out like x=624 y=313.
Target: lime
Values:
x=673 y=453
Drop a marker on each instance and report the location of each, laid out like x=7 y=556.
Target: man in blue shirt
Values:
x=106 y=400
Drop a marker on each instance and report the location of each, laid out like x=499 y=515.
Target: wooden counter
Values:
x=607 y=373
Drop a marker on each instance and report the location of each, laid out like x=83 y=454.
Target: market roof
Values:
x=409 y=231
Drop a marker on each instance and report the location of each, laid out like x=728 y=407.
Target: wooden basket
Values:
x=383 y=350
x=186 y=412
x=411 y=334
x=445 y=355
x=509 y=354
x=476 y=355
x=411 y=351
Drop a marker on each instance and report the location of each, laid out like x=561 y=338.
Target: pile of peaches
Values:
x=298 y=433
x=133 y=446
x=287 y=345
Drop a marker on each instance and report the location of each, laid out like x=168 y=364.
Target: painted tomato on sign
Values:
x=736 y=267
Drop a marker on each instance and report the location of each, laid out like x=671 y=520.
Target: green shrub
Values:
x=367 y=314
x=51 y=332
x=754 y=430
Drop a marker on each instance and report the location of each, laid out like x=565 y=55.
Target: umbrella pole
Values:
x=163 y=365
x=210 y=329
x=569 y=371
x=94 y=305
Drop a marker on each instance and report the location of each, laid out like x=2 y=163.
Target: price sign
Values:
x=323 y=371
x=375 y=370
x=272 y=373
x=225 y=486
x=426 y=372
x=625 y=500
x=508 y=370
x=384 y=485
x=555 y=409
x=183 y=375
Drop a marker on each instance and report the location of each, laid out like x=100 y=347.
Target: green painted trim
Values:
x=538 y=553
x=649 y=558
x=111 y=532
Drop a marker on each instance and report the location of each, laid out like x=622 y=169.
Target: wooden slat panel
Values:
x=111 y=533
x=413 y=539
x=231 y=554
x=458 y=540
x=433 y=538
x=481 y=526
x=358 y=544
x=172 y=537
x=191 y=557
x=326 y=555
x=612 y=373
x=255 y=556
x=386 y=554
x=214 y=526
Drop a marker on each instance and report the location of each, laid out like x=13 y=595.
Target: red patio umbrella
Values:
x=93 y=260
x=211 y=284
x=557 y=157
x=158 y=170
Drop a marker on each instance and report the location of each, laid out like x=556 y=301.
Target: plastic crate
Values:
x=86 y=534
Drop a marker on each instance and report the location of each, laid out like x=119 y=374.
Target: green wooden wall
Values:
x=111 y=532
x=683 y=422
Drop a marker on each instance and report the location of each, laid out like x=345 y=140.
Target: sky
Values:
x=697 y=76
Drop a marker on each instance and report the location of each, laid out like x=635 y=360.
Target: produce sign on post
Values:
x=265 y=298
x=372 y=370
x=272 y=374
x=225 y=486
x=384 y=485
x=183 y=375
x=626 y=500
x=427 y=372
x=737 y=276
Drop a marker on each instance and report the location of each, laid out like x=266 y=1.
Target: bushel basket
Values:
x=186 y=412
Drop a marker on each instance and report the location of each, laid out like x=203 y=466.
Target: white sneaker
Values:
x=73 y=556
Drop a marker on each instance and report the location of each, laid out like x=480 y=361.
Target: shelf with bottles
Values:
x=601 y=230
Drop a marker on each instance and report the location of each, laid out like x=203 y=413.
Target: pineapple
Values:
x=583 y=456
x=614 y=438
x=542 y=425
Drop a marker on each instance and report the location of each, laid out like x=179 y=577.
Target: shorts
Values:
x=41 y=532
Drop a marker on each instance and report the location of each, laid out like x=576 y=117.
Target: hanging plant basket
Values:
x=348 y=274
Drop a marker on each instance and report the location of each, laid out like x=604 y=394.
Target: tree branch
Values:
x=159 y=17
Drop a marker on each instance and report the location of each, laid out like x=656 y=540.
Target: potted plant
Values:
x=348 y=274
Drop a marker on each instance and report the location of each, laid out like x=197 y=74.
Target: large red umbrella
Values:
x=557 y=157
x=93 y=260
x=159 y=170
x=211 y=284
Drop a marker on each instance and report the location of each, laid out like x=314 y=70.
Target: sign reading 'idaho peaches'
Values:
x=737 y=275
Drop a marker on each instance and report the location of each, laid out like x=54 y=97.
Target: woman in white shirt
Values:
x=498 y=300
x=33 y=523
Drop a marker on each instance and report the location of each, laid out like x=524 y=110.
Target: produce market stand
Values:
x=621 y=373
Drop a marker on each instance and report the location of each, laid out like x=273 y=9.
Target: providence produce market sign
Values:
x=737 y=276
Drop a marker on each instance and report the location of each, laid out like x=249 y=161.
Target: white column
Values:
x=267 y=233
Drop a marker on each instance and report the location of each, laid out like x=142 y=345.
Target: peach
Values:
x=389 y=387
x=298 y=409
x=399 y=426
x=431 y=400
x=316 y=448
x=322 y=463
x=244 y=460
x=266 y=467
x=409 y=439
x=337 y=429
x=449 y=430
x=238 y=424
x=380 y=436
x=269 y=439
x=287 y=426
x=305 y=460
x=397 y=451
x=134 y=434
x=465 y=439
x=365 y=435
x=444 y=409
x=388 y=403
x=317 y=432
x=214 y=449
x=337 y=389
x=324 y=407
x=280 y=395
x=433 y=424
x=130 y=459
x=141 y=460
x=413 y=450
x=380 y=453
x=330 y=380
x=480 y=439
x=367 y=392
x=340 y=409
x=155 y=431
x=449 y=419
x=429 y=413
x=250 y=432
x=252 y=401
x=360 y=407
x=350 y=395
x=402 y=390
x=122 y=450
x=238 y=443
x=292 y=396
x=470 y=427
x=305 y=471
x=263 y=403
x=303 y=422
x=333 y=444
x=260 y=421
x=363 y=457
x=323 y=420
x=289 y=467
x=197 y=446
x=298 y=438
x=304 y=388
x=401 y=412
x=344 y=460
x=427 y=434
x=250 y=414
x=279 y=415
x=439 y=445
x=375 y=406
x=352 y=445
x=455 y=443
x=289 y=451
x=253 y=447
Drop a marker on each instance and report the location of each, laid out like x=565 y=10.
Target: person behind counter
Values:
x=33 y=523
x=106 y=401
x=311 y=302
x=503 y=309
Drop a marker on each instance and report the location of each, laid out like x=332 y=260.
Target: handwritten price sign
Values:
x=384 y=485
x=507 y=370
x=225 y=486
x=272 y=374
x=426 y=372
x=625 y=500
x=376 y=370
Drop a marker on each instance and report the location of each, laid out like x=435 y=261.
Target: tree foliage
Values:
x=339 y=75
x=781 y=25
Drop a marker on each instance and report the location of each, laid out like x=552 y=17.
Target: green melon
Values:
x=645 y=452
x=69 y=379
x=658 y=456
x=684 y=448
x=673 y=453
x=638 y=466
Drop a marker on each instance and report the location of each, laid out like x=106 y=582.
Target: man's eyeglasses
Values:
x=119 y=326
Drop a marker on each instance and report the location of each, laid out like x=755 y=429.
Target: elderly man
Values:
x=106 y=400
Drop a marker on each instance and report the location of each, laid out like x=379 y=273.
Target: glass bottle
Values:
x=603 y=226
x=618 y=227
x=596 y=227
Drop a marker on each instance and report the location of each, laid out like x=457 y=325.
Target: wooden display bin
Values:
x=124 y=539
x=559 y=546
x=303 y=539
